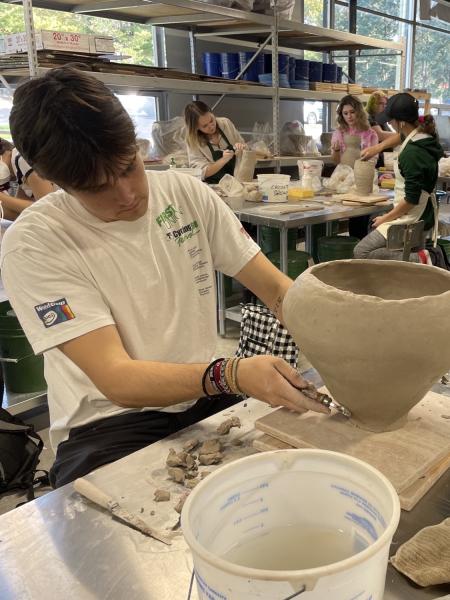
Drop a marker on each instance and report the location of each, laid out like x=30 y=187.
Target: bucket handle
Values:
x=15 y=360
x=291 y=597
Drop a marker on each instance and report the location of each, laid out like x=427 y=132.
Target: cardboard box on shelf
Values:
x=15 y=43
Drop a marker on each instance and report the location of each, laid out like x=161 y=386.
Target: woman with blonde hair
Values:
x=375 y=106
x=213 y=143
x=352 y=120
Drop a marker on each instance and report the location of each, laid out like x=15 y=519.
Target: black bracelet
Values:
x=205 y=375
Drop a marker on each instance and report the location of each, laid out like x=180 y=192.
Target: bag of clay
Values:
x=261 y=132
x=341 y=180
x=262 y=333
x=312 y=149
x=168 y=139
x=285 y=8
x=444 y=167
x=230 y=186
x=293 y=141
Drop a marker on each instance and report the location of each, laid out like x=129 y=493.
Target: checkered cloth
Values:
x=262 y=333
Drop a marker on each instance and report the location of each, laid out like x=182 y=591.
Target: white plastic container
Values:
x=247 y=500
x=274 y=187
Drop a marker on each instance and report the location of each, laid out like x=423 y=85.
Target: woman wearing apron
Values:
x=213 y=143
x=416 y=172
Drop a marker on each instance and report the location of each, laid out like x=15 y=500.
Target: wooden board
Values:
x=353 y=197
x=404 y=455
x=283 y=209
x=408 y=498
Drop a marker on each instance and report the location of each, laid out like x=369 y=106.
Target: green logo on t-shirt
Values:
x=169 y=216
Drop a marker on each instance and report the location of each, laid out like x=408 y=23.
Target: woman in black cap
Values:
x=416 y=172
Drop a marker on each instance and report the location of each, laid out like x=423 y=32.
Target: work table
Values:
x=62 y=546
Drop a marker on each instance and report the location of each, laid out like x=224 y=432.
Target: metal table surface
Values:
x=254 y=214
x=61 y=546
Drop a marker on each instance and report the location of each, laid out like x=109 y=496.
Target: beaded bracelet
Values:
x=222 y=376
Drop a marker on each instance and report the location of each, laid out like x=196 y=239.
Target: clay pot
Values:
x=364 y=175
x=245 y=168
x=376 y=331
x=352 y=150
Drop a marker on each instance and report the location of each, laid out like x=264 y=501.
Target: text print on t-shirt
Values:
x=52 y=313
x=169 y=218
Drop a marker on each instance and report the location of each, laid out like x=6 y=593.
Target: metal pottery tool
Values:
x=313 y=394
x=93 y=493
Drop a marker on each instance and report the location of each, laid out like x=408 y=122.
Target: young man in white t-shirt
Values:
x=112 y=278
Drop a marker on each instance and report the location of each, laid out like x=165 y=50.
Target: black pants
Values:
x=106 y=440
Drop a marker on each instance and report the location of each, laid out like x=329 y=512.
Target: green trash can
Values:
x=269 y=239
x=298 y=261
x=336 y=247
x=317 y=231
x=27 y=374
x=444 y=243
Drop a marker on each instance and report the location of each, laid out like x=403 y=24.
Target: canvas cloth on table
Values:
x=425 y=558
x=262 y=333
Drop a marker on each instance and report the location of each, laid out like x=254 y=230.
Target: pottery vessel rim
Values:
x=388 y=264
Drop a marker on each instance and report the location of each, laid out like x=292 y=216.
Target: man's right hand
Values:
x=273 y=380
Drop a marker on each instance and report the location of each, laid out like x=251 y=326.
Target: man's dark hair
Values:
x=72 y=129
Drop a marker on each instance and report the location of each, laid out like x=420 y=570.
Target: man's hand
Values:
x=274 y=381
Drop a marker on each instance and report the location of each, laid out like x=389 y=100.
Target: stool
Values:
x=336 y=247
x=298 y=261
x=406 y=237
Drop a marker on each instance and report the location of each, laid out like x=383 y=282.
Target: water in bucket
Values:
x=294 y=547
x=309 y=522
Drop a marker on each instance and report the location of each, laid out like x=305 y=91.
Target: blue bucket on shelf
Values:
x=338 y=74
x=266 y=79
x=300 y=84
x=291 y=69
x=329 y=72
x=230 y=64
x=283 y=64
x=301 y=69
x=212 y=65
x=256 y=68
x=315 y=70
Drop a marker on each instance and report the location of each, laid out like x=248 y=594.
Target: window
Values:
x=142 y=110
x=431 y=63
x=394 y=8
x=438 y=9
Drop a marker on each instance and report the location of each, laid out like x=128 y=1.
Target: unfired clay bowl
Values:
x=376 y=331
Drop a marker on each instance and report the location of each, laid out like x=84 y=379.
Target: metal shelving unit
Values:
x=213 y=23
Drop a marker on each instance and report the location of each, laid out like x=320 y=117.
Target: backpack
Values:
x=20 y=447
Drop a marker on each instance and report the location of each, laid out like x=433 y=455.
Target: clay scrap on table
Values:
x=162 y=495
x=210 y=452
x=180 y=459
x=179 y=505
x=176 y=474
x=190 y=445
x=225 y=426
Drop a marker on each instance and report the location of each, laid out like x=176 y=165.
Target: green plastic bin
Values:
x=336 y=247
x=298 y=261
x=269 y=239
x=27 y=374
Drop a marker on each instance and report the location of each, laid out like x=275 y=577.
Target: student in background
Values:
x=31 y=187
x=213 y=143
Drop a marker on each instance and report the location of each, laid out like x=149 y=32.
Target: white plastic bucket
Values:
x=274 y=187
x=249 y=499
x=312 y=167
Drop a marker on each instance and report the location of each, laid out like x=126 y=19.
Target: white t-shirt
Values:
x=68 y=273
x=21 y=170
